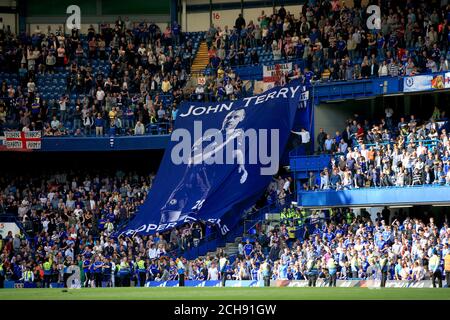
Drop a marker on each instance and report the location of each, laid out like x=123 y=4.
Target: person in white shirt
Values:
x=213 y=272
x=199 y=91
x=383 y=69
x=45 y=223
x=63 y=109
x=100 y=95
x=364 y=152
x=139 y=129
x=78 y=211
x=31 y=86
x=229 y=89
x=421 y=149
x=54 y=123
x=305 y=139
x=389 y=113
x=286 y=185
x=241 y=249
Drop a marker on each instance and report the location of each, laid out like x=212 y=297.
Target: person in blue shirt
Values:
x=290 y=273
x=248 y=248
x=176 y=33
x=254 y=271
x=436 y=53
x=342 y=47
x=97 y=270
x=308 y=77
x=300 y=48
x=381 y=42
x=107 y=272
x=283 y=270
x=393 y=41
x=174 y=112
x=153 y=269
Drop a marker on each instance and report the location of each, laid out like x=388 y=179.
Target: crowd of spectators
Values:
x=71 y=219
x=385 y=153
x=148 y=67
x=138 y=90
x=343 y=245
x=334 y=41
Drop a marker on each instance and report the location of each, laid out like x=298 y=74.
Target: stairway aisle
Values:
x=201 y=59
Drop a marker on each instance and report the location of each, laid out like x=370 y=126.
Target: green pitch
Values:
x=204 y=293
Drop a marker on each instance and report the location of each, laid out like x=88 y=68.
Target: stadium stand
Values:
x=129 y=80
x=384 y=154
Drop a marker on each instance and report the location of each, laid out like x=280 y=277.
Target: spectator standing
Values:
x=446 y=267
x=139 y=129
x=305 y=140
x=99 y=125
x=321 y=137
x=435 y=269
x=223 y=264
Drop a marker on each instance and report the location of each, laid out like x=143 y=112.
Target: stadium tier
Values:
x=308 y=146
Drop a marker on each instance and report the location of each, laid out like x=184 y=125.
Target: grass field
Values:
x=215 y=293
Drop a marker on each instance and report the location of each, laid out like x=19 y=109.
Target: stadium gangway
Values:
x=260 y=216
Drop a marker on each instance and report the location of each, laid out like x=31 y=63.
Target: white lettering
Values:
x=271 y=95
x=283 y=92
x=151 y=227
x=189 y=112
x=213 y=109
x=260 y=99
x=248 y=100
x=195 y=112
x=226 y=107
x=264 y=158
x=293 y=91
x=182 y=147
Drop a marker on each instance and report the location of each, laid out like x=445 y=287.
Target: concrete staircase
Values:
x=201 y=59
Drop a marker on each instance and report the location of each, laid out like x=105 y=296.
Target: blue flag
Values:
x=220 y=160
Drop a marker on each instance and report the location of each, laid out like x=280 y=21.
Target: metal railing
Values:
x=260 y=215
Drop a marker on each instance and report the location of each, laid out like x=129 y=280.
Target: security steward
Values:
x=312 y=271
x=436 y=273
x=124 y=272
x=142 y=271
x=2 y=275
x=266 y=273
x=28 y=276
x=332 y=270
x=447 y=268
x=181 y=272
x=383 y=265
x=47 y=266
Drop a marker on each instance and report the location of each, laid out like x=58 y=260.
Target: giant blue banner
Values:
x=219 y=161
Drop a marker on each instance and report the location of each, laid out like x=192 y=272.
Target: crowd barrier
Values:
x=254 y=283
x=355 y=283
x=209 y=283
